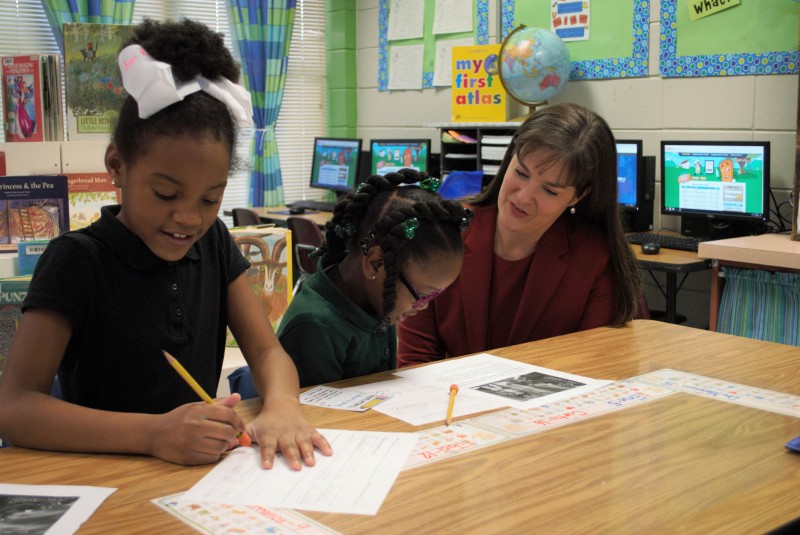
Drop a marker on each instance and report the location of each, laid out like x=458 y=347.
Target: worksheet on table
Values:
x=355 y=479
x=517 y=384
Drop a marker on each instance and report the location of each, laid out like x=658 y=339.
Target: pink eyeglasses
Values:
x=420 y=299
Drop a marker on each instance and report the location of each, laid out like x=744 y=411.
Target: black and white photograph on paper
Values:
x=529 y=386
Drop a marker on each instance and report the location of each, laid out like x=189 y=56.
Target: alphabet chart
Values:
x=218 y=518
x=445 y=441
x=749 y=396
x=615 y=396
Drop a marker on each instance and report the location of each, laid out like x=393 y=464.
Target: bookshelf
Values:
x=491 y=142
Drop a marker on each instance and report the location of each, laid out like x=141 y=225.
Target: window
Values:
x=24 y=29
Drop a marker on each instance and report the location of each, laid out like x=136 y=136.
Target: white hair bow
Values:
x=151 y=84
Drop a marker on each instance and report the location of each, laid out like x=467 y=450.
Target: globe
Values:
x=534 y=65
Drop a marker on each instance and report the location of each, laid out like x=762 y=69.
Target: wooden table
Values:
x=678 y=464
x=770 y=252
x=670 y=262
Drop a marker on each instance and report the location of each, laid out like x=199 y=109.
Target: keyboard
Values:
x=320 y=206
x=682 y=243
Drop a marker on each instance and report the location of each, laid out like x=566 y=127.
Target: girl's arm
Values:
x=195 y=433
x=281 y=424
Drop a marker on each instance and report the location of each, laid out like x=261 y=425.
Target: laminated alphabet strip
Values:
x=445 y=441
x=749 y=396
x=615 y=396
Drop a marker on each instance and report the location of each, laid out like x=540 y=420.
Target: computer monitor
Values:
x=719 y=188
x=630 y=174
x=390 y=155
x=335 y=164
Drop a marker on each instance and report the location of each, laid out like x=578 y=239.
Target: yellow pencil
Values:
x=199 y=391
x=188 y=378
x=453 y=392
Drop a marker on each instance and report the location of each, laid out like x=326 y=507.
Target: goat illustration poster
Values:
x=269 y=251
x=94 y=84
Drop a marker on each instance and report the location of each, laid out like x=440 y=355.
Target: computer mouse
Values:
x=294 y=210
x=650 y=248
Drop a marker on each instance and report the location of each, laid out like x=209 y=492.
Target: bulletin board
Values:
x=429 y=40
x=753 y=37
x=605 y=54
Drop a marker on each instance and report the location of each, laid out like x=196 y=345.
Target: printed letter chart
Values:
x=445 y=441
x=606 y=399
x=220 y=518
x=749 y=396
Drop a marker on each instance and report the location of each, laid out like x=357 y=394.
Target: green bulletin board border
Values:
x=635 y=65
x=481 y=38
x=739 y=64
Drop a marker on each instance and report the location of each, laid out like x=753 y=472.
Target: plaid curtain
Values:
x=761 y=304
x=97 y=11
x=262 y=31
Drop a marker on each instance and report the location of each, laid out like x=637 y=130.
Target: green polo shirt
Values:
x=330 y=338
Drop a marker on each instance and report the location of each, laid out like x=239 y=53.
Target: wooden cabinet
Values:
x=483 y=153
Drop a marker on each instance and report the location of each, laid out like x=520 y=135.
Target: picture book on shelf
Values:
x=32 y=109
x=88 y=192
x=32 y=208
x=94 y=83
x=12 y=293
x=269 y=250
x=477 y=94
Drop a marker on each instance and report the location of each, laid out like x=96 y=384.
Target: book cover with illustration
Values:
x=477 y=94
x=32 y=208
x=12 y=293
x=94 y=84
x=32 y=109
x=269 y=250
x=88 y=192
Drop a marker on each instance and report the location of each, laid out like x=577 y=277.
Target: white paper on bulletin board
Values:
x=443 y=69
x=406 y=19
x=405 y=67
x=452 y=16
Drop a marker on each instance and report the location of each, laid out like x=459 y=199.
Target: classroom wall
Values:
x=651 y=109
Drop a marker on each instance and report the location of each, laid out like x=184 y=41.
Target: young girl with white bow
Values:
x=159 y=272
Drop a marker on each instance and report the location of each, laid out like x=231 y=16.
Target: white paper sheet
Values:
x=421 y=402
x=452 y=16
x=339 y=398
x=443 y=65
x=405 y=67
x=406 y=19
x=355 y=479
x=519 y=385
x=49 y=509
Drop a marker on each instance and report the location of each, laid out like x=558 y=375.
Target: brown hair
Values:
x=582 y=142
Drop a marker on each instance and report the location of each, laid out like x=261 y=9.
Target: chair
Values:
x=243 y=217
x=241 y=382
x=307 y=238
x=460 y=184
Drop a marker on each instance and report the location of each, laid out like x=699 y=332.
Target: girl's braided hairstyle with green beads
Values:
x=409 y=222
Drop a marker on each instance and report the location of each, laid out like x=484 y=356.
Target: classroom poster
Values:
x=477 y=94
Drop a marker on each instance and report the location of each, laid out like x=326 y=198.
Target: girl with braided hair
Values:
x=391 y=247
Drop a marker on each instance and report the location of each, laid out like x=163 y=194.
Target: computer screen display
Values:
x=630 y=174
x=335 y=163
x=390 y=155
x=715 y=179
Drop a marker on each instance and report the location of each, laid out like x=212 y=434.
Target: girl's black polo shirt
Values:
x=125 y=305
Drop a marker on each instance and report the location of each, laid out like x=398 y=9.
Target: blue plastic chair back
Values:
x=241 y=381
x=460 y=184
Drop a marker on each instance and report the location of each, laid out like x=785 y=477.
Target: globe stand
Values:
x=532 y=107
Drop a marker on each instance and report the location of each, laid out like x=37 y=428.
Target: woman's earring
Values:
x=572 y=209
x=373 y=277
